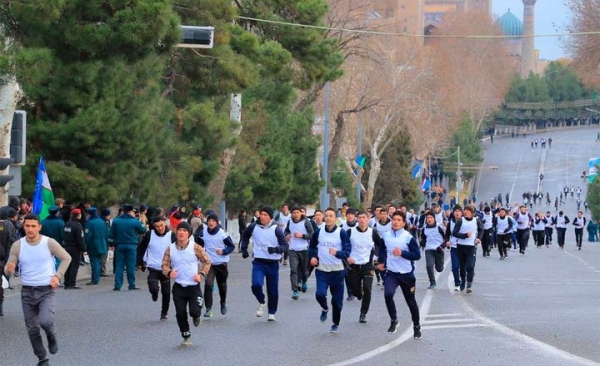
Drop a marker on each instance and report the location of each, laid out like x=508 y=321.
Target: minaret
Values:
x=528 y=51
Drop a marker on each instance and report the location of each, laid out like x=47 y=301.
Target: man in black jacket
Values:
x=75 y=246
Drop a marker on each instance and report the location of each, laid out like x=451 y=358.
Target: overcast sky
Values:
x=551 y=17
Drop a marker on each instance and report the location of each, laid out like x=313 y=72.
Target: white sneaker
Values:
x=187 y=341
x=456 y=288
x=260 y=310
x=271 y=317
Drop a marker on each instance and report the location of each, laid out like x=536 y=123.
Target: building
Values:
x=398 y=16
x=434 y=10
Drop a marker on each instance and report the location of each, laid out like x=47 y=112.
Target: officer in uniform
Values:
x=75 y=246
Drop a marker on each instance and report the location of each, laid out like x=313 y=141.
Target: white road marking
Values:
x=423 y=310
x=446 y=321
x=444 y=315
x=546 y=348
x=454 y=326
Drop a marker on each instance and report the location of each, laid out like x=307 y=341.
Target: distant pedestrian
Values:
x=550 y=142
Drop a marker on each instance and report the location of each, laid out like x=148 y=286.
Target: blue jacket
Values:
x=125 y=230
x=96 y=236
x=54 y=227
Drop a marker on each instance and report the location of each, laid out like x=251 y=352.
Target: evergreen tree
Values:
x=91 y=71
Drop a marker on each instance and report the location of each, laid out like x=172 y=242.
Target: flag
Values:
x=426 y=184
x=416 y=169
x=43 y=197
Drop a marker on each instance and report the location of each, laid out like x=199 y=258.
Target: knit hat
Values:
x=268 y=210
x=184 y=225
x=212 y=216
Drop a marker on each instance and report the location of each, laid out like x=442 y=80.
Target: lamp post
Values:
x=325 y=175
x=458 y=178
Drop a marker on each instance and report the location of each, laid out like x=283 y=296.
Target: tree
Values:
x=395 y=183
x=473 y=74
x=593 y=198
x=585 y=49
x=403 y=77
x=530 y=90
x=91 y=77
x=563 y=83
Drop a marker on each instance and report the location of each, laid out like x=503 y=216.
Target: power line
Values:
x=407 y=35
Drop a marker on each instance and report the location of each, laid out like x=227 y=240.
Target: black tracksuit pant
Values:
x=360 y=280
x=157 y=281
x=184 y=297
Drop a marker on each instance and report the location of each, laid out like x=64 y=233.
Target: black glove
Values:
x=245 y=254
x=272 y=250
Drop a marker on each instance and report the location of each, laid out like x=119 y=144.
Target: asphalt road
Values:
x=541 y=308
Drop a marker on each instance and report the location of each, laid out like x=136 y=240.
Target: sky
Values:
x=552 y=16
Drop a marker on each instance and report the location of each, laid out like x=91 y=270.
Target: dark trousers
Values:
x=455 y=266
x=220 y=272
x=39 y=308
x=548 y=232
x=433 y=258
x=486 y=241
x=73 y=269
x=298 y=268
x=522 y=238
x=504 y=244
x=268 y=270
x=560 y=235
x=538 y=237
x=335 y=282
x=360 y=279
x=578 y=236
x=125 y=256
x=407 y=283
x=1 y=279
x=157 y=281
x=466 y=258
x=184 y=298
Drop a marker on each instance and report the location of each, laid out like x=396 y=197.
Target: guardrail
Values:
x=552 y=105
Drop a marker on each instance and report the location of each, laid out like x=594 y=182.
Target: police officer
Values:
x=75 y=246
x=53 y=227
x=96 y=240
x=124 y=232
x=8 y=236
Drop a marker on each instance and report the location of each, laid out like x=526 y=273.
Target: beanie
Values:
x=184 y=225
x=212 y=216
x=268 y=210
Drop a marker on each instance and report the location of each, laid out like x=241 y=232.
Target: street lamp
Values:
x=458 y=177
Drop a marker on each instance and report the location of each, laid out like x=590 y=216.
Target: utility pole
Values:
x=325 y=175
x=359 y=169
x=458 y=179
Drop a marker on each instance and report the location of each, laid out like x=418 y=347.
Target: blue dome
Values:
x=510 y=24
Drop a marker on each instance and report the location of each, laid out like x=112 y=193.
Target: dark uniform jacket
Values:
x=74 y=237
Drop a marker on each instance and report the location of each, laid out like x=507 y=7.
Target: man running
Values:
x=432 y=236
x=468 y=231
x=397 y=253
x=503 y=227
x=298 y=233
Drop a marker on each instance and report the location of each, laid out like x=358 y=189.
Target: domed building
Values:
x=512 y=26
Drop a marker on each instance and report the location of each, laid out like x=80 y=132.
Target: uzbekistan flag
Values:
x=43 y=197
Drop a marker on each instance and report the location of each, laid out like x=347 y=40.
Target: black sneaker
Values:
x=323 y=316
x=362 y=318
x=223 y=309
x=393 y=326
x=163 y=317
x=417 y=332
x=45 y=362
x=197 y=321
x=52 y=345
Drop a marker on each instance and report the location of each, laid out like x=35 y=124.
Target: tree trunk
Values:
x=375 y=166
x=10 y=93
x=217 y=186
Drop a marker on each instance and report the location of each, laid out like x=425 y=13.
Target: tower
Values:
x=528 y=52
